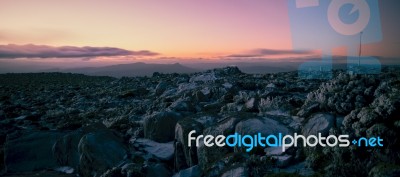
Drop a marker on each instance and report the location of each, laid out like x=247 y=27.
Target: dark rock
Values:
x=65 y=149
x=282 y=160
x=252 y=105
x=186 y=156
x=31 y=151
x=193 y=171
x=208 y=155
x=100 y=151
x=162 y=151
x=160 y=126
x=263 y=125
x=237 y=172
x=319 y=123
x=182 y=105
x=158 y=170
x=308 y=110
x=367 y=116
x=161 y=87
x=120 y=123
x=385 y=170
x=132 y=170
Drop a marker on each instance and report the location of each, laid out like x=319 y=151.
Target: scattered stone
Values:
x=158 y=170
x=385 y=170
x=193 y=171
x=319 y=123
x=100 y=151
x=31 y=151
x=283 y=160
x=160 y=126
x=186 y=156
x=237 y=172
x=162 y=151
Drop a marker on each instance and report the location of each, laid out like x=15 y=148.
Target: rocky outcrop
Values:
x=193 y=171
x=147 y=120
x=319 y=123
x=263 y=125
x=31 y=151
x=90 y=151
x=100 y=151
x=160 y=126
x=186 y=156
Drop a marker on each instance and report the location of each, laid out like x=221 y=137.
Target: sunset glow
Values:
x=175 y=28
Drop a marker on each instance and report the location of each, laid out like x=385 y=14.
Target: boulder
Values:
x=31 y=151
x=186 y=156
x=132 y=170
x=117 y=123
x=319 y=123
x=273 y=151
x=251 y=105
x=367 y=116
x=237 y=172
x=263 y=125
x=161 y=87
x=160 y=126
x=308 y=109
x=182 y=105
x=65 y=149
x=100 y=151
x=208 y=155
x=162 y=151
x=158 y=170
x=193 y=171
x=282 y=160
x=385 y=170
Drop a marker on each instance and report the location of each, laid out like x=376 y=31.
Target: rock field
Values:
x=62 y=125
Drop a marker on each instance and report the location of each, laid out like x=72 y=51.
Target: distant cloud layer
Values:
x=269 y=52
x=44 y=51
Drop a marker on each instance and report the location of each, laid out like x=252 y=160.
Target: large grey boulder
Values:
x=162 y=151
x=319 y=123
x=194 y=171
x=91 y=150
x=186 y=156
x=385 y=170
x=160 y=88
x=263 y=125
x=160 y=126
x=182 y=105
x=31 y=151
x=237 y=172
x=65 y=149
x=208 y=155
x=100 y=151
x=158 y=170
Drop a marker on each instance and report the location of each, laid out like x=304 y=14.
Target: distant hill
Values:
x=134 y=69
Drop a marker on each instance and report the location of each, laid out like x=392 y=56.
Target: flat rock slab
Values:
x=31 y=151
x=194 y=171
x=163 y=151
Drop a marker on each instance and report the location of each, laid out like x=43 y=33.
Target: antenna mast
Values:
x=359 y=51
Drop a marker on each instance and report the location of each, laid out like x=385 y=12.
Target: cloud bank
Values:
x=269 y=52
x=12 y=51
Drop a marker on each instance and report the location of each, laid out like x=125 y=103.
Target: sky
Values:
x=155 y=29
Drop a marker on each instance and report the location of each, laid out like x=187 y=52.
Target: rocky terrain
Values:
x=54 y=124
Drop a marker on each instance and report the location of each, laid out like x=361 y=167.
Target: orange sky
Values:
x=173 y=28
